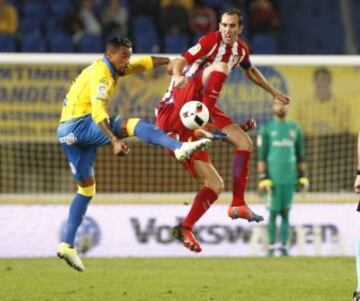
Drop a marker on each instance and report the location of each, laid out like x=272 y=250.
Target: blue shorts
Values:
x=79 y=139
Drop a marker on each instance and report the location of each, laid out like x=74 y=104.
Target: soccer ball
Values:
x=194 y=115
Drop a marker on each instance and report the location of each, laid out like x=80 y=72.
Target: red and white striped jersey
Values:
x=209 y=49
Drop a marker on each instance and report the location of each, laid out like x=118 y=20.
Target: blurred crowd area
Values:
x=172 y=26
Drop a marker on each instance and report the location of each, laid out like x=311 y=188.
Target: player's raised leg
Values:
x=212 y=186
x=240 y=170
x=148 y=133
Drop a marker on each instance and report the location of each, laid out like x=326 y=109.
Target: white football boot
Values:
x=70 y=256
x=187 y=148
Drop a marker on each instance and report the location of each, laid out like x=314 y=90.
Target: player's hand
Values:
x=248 y=125
x=284 y=99
x=303 y=184
x=180 y=81
x=120 y=148
x=357 y=184
x=265 y=186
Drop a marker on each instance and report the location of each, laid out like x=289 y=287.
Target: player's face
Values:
x=280 y=110
x=120 y=58
x=230 y=28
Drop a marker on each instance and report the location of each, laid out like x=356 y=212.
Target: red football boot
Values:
x=245 y=213
x=186 y=236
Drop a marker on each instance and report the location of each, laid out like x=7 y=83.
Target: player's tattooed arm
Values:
x=159 y=61
x=119 y=147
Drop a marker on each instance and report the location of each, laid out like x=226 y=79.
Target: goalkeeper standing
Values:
x=281 y=167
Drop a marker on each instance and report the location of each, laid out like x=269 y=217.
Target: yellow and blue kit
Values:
x=86 y=105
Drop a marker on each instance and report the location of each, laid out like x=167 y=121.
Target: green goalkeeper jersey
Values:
x=281 y=146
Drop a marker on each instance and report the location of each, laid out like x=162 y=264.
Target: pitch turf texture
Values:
x=183 y=279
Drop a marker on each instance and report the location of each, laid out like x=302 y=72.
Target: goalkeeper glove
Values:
x=303 y=184
x=265 y=184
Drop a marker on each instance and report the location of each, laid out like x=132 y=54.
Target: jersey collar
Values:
x=110 y=66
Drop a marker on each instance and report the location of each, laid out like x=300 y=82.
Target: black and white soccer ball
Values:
x=194 y=114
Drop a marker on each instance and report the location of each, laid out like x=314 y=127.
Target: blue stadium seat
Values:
x=91 y=44
x=7 y=43
x=61 y=9
x=29 y=25
x=140 y=24
x=264 y=43
x=59 y=42
x=176 y=43
x=33 y=43
x=34 y=9
x=147 y=42
x=54 y=25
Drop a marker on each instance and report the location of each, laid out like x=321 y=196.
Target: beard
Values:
x=280 y=114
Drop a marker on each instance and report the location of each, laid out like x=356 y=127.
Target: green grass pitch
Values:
x=182 y=279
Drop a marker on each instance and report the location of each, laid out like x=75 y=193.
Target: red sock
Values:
x=202 y=202
x=213 y=88
x=240 y=175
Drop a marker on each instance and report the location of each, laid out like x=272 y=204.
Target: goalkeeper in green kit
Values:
x=281 y=168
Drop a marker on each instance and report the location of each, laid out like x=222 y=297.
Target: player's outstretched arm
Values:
x=255 y=75
x=159 y=61
x=145 y=63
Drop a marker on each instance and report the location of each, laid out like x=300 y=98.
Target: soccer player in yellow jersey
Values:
x=86 y=125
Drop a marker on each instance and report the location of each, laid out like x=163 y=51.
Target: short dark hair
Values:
x=322 y=71
x=234 y=11
x=115 y=43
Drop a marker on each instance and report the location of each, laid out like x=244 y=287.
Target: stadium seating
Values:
x=60 y=42
x=307 y=27
x=147 y=42
x=33 y=43
x=61 y=9
x=265 y=43
x=91 y=44
x=7 y=43
x=176 y=43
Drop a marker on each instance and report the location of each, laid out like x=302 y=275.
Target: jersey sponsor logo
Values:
x=259 y=141
x=284 y=142
x=195 y=49
x=68 y=139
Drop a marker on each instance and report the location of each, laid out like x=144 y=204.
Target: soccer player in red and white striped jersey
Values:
x=199 y=75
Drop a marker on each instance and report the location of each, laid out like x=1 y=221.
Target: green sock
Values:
x=284 y=231
x=272 y=228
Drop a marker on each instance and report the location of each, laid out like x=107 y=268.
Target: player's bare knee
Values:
x=217 y=186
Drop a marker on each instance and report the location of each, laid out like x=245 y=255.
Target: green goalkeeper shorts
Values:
x=282 y=197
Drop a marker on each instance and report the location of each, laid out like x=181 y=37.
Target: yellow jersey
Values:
x=91 y=90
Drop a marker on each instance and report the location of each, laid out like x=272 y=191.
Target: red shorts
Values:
x=167 y=118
